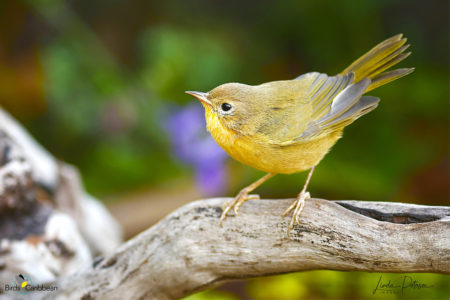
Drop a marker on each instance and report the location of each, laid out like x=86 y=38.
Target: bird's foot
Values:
x=297 y=206
x=236 y=203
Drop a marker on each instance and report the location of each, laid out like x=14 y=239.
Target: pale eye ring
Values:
x=226 y=106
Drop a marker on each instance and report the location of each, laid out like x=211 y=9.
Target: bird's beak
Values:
x=203 y=97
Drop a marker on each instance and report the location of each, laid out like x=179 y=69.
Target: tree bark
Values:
x=49 y=227
x=188 y=251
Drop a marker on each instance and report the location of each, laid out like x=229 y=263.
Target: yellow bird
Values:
x=284 y=127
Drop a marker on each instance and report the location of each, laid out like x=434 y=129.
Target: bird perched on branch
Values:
x=284 y=127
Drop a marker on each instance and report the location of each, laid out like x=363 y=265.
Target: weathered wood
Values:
x=49 y=226
x=188 y=251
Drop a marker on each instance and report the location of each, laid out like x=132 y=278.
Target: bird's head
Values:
x=231 y=104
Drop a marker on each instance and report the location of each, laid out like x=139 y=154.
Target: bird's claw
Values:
x=242 y=200
x=297 y=206
x=236 y=203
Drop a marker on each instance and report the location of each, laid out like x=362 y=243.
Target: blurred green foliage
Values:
x=108 y=86
x=111 y=71
x=336 y=285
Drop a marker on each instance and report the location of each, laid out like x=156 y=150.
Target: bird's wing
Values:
x=323 y=90
x=334 y=102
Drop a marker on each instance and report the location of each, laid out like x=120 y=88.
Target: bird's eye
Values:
x=226 y=106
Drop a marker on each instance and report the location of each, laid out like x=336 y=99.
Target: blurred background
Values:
x=101 y=85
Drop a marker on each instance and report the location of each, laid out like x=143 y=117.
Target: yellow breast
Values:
x=269 y=157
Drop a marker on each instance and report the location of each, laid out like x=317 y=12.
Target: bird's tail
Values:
x=379 y=59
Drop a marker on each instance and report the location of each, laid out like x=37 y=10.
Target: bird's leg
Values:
x=299 y=203
x=243 y=196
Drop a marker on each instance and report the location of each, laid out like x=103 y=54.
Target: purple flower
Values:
x=193 y=144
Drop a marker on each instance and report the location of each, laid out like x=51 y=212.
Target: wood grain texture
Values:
x=49 y=225
x=187 y=251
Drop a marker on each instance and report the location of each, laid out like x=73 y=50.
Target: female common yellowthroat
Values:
x=284 y=127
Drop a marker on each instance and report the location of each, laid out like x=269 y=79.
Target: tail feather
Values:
x=387 y=77
x=337 y=101
x=379 y=59
x=384 y=64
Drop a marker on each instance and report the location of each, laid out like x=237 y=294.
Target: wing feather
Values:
x=333 y=102
x=330 y=100
x=344 y=108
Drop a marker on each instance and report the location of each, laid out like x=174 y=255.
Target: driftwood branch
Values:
x=188 y=251
x=50 y=229
x=49 y=226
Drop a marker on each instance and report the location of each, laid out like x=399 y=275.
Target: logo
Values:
x=24 y=284
x=399 y=285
